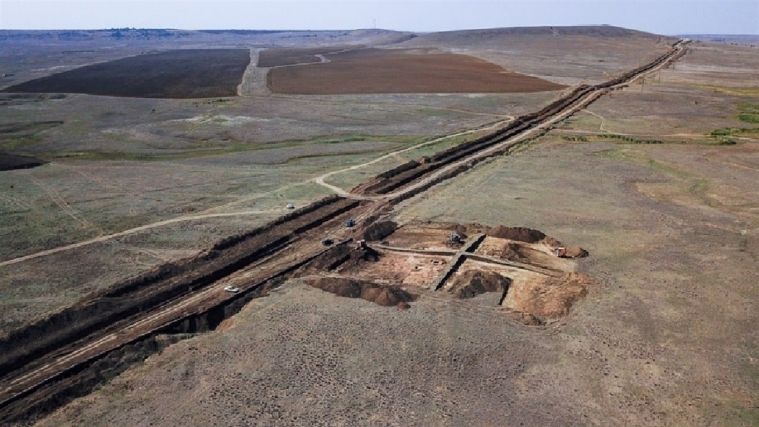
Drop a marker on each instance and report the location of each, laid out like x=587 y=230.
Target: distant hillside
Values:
x=489 y=35
x=744 y=39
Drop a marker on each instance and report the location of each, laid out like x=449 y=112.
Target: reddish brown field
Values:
x=295 y=55
x=402 y=71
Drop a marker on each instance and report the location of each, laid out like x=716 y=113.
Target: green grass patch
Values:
x=627 y=155
x=749 y=108
x=611 y=136
x=668 y=169
x=749 y=113
x=698 y=187
x=16 y=136
x=749 y=117
x=725 y=141
x=575 y=138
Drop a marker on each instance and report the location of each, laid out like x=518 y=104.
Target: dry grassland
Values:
x=665 y=337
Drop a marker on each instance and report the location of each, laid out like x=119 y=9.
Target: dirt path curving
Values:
x=132 y=231
x=320 y=179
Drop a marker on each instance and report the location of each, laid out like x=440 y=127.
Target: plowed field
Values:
x=187 y=73
x=294 y=55
x=367 y=71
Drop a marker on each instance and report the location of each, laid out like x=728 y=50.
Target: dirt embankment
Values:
x=386 y=296
x=379 y=230
x=520 y=234
x=476 y=282
x=550 y=298
x=540 y=289
x=415 y=171
x=105 y=309
x=515 y=251
x=341 y=258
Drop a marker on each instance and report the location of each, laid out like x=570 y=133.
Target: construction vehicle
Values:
x=350 y=223
x=361 y=244
x=560 y=252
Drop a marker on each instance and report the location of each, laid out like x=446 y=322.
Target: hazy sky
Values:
x=662 y=16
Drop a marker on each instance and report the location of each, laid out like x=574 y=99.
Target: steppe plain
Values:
x=657 y=181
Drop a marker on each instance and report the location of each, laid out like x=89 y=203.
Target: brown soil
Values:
x=379 y=230
x=576 y=252
x=476 y=282
x=386 y=296
x=519 y=234
x=292 y=56
x=548 y=299
x=515 y=252
x=187 y=73
x=431 y=235
x=341 y=258
x=366 y=71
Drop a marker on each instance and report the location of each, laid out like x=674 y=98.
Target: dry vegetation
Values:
x=664 y=337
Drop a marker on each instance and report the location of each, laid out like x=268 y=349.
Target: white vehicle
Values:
x=231 y=289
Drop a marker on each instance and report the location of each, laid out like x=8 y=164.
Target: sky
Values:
x=669 y=17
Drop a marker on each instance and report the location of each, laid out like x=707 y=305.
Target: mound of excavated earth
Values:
x=386 y=296
x=476 y=282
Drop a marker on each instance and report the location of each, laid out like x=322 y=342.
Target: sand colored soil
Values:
x=542 y=290
x=539 y=254
x=550 y=298
x=576 y=252
x=365 y=71
x=418 y=236
x=386 y=296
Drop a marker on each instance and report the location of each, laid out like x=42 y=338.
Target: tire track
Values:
x=132 y=231
x=251 y=265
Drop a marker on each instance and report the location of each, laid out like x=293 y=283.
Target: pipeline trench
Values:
x=64 y=356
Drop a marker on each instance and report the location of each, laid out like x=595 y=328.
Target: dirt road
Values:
x=33 y=380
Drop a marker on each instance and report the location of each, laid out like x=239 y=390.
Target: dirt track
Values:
x=44 y=353
x=415 y=177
